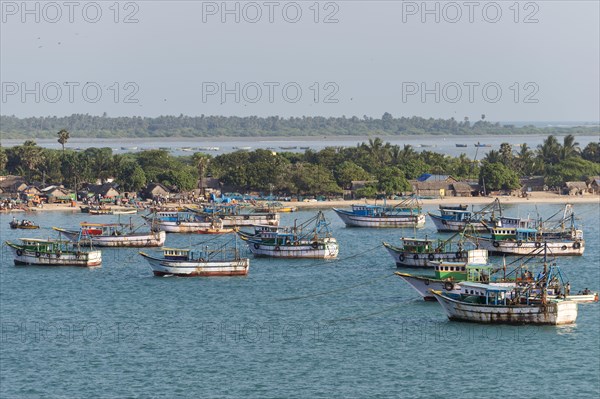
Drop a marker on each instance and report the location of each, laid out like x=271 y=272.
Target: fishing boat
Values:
x=529 y=302
x=517 y=236
x=114 y=235
x=203 y=263
x=234 y=215
x=461 y=145
x=177 y=222
x=479 y=145
x=23 y=224
x=124 y=211
x=48 y=252
x=271 y=207
x=485 y=303
x=405 y=214
x=289 y=147
x=96 y=210
x=424 y=252
x=448 y=274
x=216 y=227
x=310 y=239
x=459 y=218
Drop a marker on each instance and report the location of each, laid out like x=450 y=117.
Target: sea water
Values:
x=291 y=328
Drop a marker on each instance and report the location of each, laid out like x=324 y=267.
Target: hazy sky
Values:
x=530 y=61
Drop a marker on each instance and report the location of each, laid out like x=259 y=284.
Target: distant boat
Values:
x=208 y=148
x=114 y=235
x=186 y=148
x=23 y=224
x=242 y=148
x=129 y=148
x=305 y=148
x=405 y=214
x=461 y=145
x=482 y=145
x=291 y=147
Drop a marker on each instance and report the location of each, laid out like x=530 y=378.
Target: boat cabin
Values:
x=97 y=229
x=424 y=246
x=456 y=215
x=485 y=293
x=518 y=234
x=44 y=246
x=176 y=253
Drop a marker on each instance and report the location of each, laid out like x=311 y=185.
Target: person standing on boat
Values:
x=567 y=289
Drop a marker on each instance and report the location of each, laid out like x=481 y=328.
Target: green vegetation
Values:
x=386 y=168
x=253 y=126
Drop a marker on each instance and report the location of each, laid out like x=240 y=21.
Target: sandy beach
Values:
x=534 y=197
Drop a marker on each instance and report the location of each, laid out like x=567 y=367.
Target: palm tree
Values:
x=201 y=160
x=570 y=147
x=63 y=137
x=549 y=151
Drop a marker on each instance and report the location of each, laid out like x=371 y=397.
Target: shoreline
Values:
x=534 y=198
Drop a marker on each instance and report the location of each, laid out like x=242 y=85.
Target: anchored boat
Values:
x=47 y=252
x=515 y=236
x=424 y=252
x=233 y=215
x=459 y=218
x=177 y=222
x=448 y=274
x=203 y=263
x=311 y=239
x=114 y=235
x=405 y=214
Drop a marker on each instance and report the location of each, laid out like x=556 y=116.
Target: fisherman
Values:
x=567 y=289
x=586 y=292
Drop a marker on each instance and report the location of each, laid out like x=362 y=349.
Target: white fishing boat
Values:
x=177 y=222
x=311 y=239
x=406 y=214
x=484 y=303
x=48 y=252
x=189 y=263
x=114 y=235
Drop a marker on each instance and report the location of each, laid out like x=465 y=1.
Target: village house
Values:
x=156 y=190
x=104 y=191
x=575 y=188
x=594 y=185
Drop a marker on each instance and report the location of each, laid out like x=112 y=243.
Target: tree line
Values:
x=387 y=167
x=253 y=126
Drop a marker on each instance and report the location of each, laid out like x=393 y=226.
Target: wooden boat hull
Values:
x=271 y=219
x=24 y=227
x=444 y=225
x=407 y=259
x=215 y=231
x=161 y=267
x=328 y=249
x=352 y=220
x=554 y=248
x=155 y=239
x=554 y=312
x=83 y=259
x=179 y=227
